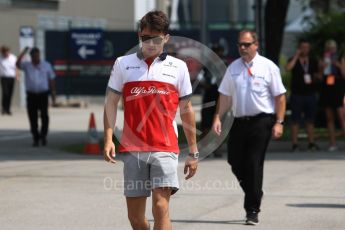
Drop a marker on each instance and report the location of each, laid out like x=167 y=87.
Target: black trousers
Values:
x=247 y=145
x=7 y=84
x=38 y=103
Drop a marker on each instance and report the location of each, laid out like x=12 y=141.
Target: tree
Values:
x=324 y=27
x=275 y=16
x=325 y=6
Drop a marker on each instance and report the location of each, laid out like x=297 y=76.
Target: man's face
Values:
x=332 y=49
x=5 y=52
x=247 y=46
x=304 y=48
x=35 y=57
x=152 y=42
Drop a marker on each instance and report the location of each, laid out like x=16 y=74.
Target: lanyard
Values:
x=305 y=66
x=249 y=69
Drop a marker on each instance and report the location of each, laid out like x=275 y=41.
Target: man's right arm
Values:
x=223 y=105
x=109 y=120
x=292 y=62
x=20 y=57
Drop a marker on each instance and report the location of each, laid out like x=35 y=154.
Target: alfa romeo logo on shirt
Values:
x=145 y=91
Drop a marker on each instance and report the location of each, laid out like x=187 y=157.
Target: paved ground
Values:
x=49 y=189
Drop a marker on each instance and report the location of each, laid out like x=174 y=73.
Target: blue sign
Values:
x=26 y=32
x=86 y=44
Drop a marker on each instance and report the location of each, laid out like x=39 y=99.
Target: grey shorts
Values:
x=145 y=171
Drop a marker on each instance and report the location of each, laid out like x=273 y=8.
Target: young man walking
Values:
x=152 y=85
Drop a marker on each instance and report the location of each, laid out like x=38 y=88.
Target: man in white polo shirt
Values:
x=8 y=73
x=253 y=88
x=153 y=85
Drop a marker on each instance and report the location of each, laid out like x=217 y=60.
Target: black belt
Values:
x=255 y=117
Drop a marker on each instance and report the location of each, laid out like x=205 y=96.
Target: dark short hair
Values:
x=302 y=40
x=34 y=51
x=215 y=47
x=251 y=32
x=5 y=48
x=155 y=20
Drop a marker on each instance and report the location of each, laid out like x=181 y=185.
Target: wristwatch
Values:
x=194 y=155
x=280 y=122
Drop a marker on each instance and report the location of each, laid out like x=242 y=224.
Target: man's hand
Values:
x=109 y=152
x=190 y=167
x=277 y=131
x=217 y=126
x=298 y=53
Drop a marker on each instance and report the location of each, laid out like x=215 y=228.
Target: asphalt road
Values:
x=49 y=189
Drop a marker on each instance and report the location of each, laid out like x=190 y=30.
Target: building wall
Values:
x=108 y=14
x=114 y=14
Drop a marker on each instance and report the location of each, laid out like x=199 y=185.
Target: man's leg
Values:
x=43 y=107
x=164 y=180
x=309 y=115
x=294 y=135
x=310 y=131
x=236 y=144
x=341 y=118
x=136 y=213
x=10 y=85
x=296 y=104
x=137 y=188
x=160 y=208
x=330 y=126
x=33 y=116
x=258 y=139
x=4 y=94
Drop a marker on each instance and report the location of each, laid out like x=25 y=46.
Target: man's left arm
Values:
x=188 y=123
x=341 y=66
x=280 y=107
x=52 y=84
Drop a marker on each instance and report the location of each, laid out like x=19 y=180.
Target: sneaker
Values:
x=295 y=148
x=313 y=147
x=333 y=148
x=44 y=141
x=35 y=144
x=252 y=218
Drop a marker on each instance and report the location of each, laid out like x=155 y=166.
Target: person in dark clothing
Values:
x=303 y=100
x=332 y=90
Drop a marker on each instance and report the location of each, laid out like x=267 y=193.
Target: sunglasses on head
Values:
x=245 y=44
x=155 y=39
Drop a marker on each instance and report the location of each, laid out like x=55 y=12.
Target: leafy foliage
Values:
x=327 y=26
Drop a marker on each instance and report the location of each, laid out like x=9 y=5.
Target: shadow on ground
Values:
x=316 y=205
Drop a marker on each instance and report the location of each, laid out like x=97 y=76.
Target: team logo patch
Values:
x=170 y=64
x=132 y=67
x=169 y=75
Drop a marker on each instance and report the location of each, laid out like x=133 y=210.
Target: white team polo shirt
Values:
x=151 y=97
x=8 y=66
x=252 y=86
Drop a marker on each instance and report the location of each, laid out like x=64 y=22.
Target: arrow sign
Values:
x=86 y=44
x=84 y=52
